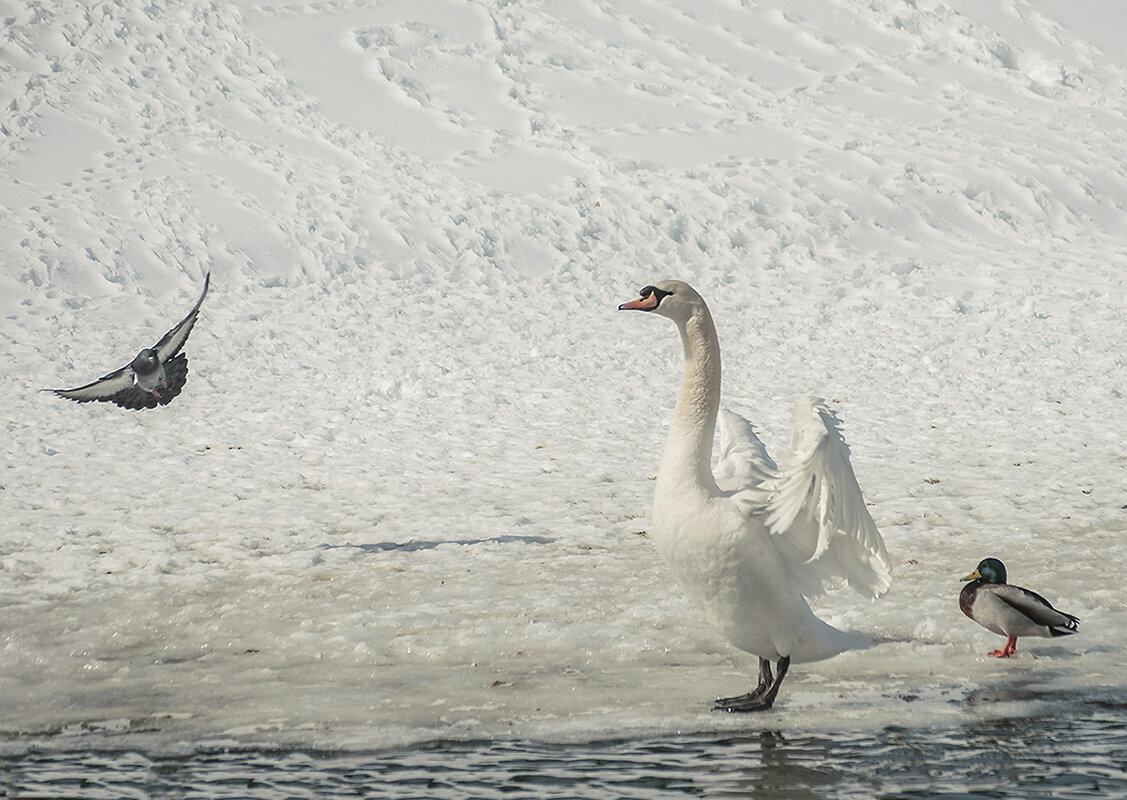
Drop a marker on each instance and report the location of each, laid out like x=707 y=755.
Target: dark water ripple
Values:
x=1025 y=757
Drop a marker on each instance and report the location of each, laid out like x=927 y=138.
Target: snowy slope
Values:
x=402 y=492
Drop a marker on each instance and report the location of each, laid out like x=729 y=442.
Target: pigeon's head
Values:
x=146 y=361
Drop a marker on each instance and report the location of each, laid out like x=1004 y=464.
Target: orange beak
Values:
x=641 y=304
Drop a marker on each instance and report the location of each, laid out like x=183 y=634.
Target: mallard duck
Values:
x=752 y=540
x=1010 y=611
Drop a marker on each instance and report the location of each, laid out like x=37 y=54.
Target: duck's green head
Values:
x=990 y=570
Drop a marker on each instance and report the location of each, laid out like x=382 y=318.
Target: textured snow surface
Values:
x=403 y=495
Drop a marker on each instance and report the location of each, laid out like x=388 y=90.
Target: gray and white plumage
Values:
x=154 y=377
x=1009 y=610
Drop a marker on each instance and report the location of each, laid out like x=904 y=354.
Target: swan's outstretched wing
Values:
x=816 y=507
x=743 y=460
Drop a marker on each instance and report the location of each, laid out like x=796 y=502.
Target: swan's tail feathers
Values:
x=816 y=503
x=826 y=641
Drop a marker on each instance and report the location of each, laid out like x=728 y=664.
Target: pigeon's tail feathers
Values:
x=175 y=375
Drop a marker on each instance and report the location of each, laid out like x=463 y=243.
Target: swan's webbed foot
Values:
x=766 y=678
x=763 y=696
x=743 y=704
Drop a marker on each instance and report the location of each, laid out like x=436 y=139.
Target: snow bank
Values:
x=405 y=491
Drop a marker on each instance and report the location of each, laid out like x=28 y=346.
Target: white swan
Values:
x=752 y=542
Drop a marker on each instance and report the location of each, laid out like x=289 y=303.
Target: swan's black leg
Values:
x=766 y=678
x=764 y=695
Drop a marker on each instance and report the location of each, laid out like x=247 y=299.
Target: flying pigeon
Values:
x=153 y=378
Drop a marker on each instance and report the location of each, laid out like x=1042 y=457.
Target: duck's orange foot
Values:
x=1008 y=650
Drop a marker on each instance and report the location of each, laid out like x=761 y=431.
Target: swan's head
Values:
x=674 y=299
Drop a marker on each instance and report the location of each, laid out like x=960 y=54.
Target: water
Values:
x=1082 y=755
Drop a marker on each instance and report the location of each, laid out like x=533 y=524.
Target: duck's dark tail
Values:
x=1065 y=628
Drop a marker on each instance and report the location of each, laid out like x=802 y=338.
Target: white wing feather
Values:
x=743 y=460
x=813 y=503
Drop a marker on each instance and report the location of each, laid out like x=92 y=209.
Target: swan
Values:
x=751 y=542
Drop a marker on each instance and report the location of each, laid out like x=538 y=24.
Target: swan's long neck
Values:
x=686 y=461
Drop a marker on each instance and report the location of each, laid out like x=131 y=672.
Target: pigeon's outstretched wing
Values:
x=108 y=387
x=170 y=344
